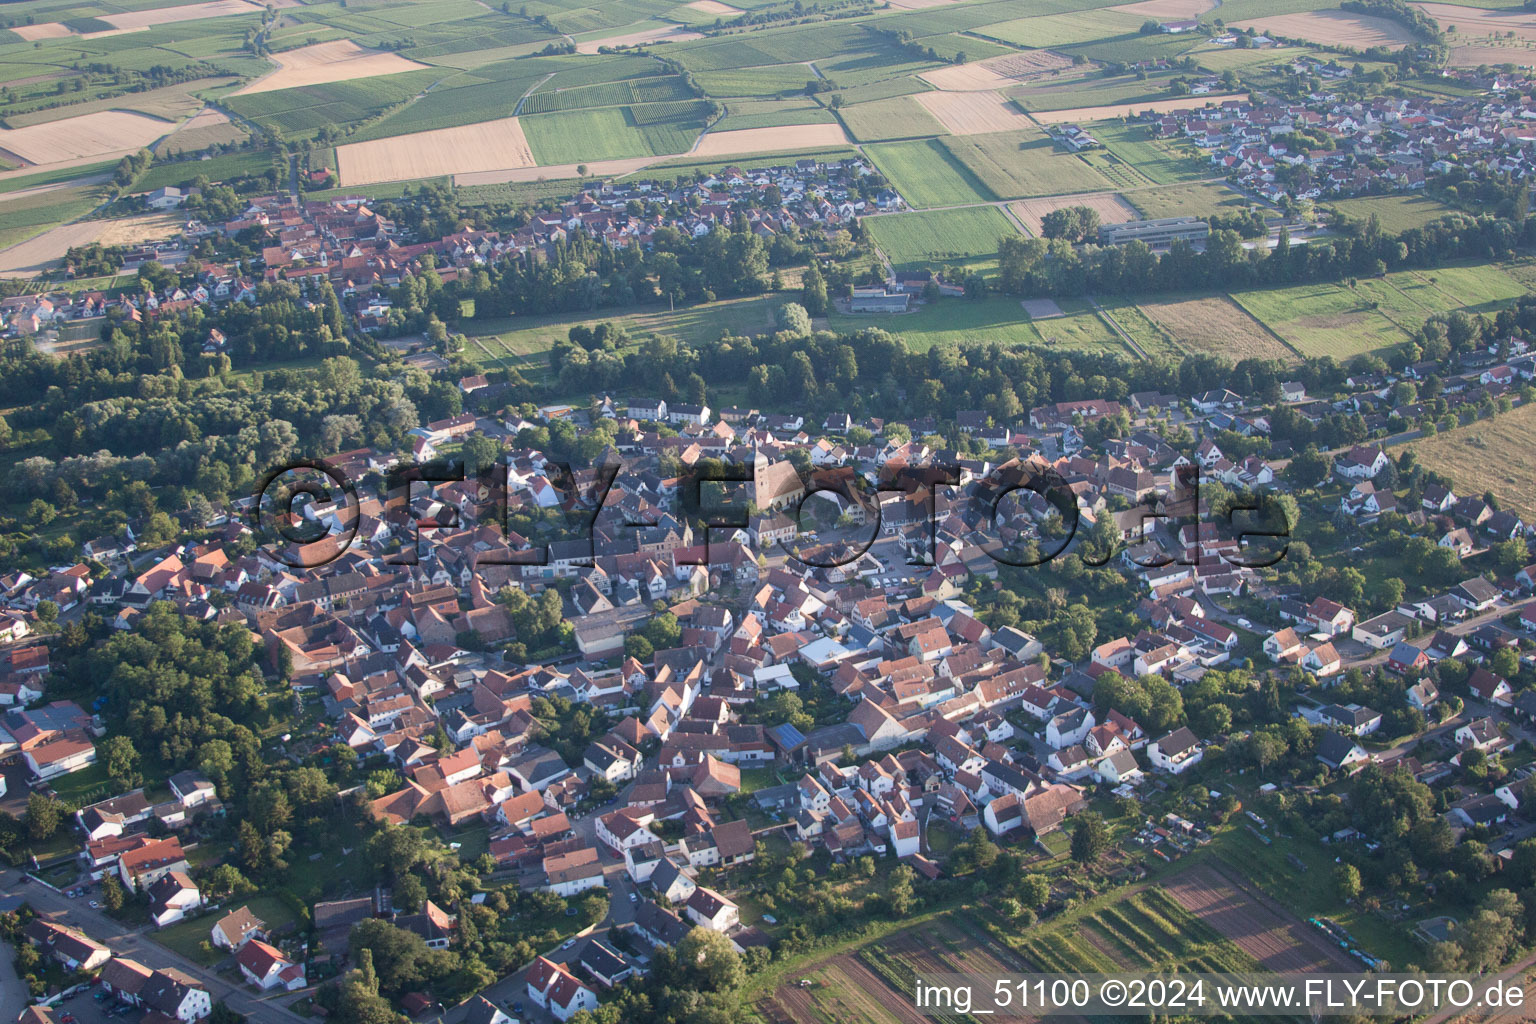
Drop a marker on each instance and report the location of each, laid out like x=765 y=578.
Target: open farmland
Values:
x=1017 y=165
x=493 y=145
x=1323 y=319
x=1072 y=325
x=105 y=133
x=974 y=113
x=1168 y=10
x=1472 y=23
x=997 y=72
x=1065 y=29
x=1396 y=213
x=151 y=17
x=1336 y=28
x=1216 y=326
x=1489 y=455
x=1192 y=199
x=1276 y=939
x=926 y=174
x=900 y=117
x=208 y=127
x=42 y=252
x=1111 y=207
x=1130 y=109
x=767 y=81
x=769 y=140
x=912 y=239
x=1333 y=319
x=1161 y=160
x=340 y=60
x=171 y=103
x=643 y=37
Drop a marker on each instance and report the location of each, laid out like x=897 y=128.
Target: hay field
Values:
x=339 y=60
x=883 y=120
x=47 y=30
x=1489 y=455
x=1217 y=326
x=186 y=12
x=974 y=113
x=663 y=34
x=1520 y=55
x=1168 y=10
x=105 y=133
x=1110 y=110
x=1472 y=22
x=487 y=146
x=1023 y=164
x=30 y=258
x=997 y=72
x=1110 y=206
x=770 y=140
x=1336 y=28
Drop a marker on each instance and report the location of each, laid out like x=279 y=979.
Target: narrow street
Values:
x=136 y=945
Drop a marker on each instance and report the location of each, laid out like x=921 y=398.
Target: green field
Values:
x=997 y=319
x=1069 y=91
x=300 y=113
x=1021 y=164
x=1163 y=161
x=913 y=239
x=22 y=218
x=741 y=114
x=774 y=80
x=609 y=133
x=900 y=117
x=1333 y=319
x=225 y=167
x=927 y=174
x=1053 y=30
x=1194 y=199
x=1396 y=213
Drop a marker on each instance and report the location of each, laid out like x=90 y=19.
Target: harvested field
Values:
x=1277 y=940
x=1104 y=113
x=1473 y=23
x=1521 y=55
x=919 y=5
x=169 y=103
x=1488 y=455
x=770 y=140
x=48 y=30
x=1336 y=28
x=713 y=7
x=664 y=34
x=105 y=133
x=996 y=73
x=186 y=12
x=1216 y=325
x=340 y=60
x=1041 y=309
x=974 y=113
x=1168 y=10
x=30 y=258
x=1111 y=207
x=488 y=146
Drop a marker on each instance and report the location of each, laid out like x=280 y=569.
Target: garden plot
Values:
x=1278 y=941
x=974 y=113
x=488 y=146
x=339 y=60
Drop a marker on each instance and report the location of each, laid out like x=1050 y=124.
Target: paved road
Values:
x=132 y=943
x=13 y=994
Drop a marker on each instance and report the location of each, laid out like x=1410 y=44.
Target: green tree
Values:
x=44 y=813
x=1346 y=882
x=1090 y=838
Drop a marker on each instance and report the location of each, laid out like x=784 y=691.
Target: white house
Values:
x=267 y=968
x=553 y=987
x=711 y=910
x=1176 y=752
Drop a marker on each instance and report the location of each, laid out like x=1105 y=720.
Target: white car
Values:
x=568 y=943
x=633 y=898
